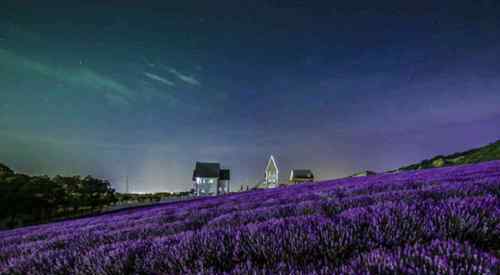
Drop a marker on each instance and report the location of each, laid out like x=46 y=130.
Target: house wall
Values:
x=205 y=186
x=224 y=187
x=299 y=180
x=271 y=176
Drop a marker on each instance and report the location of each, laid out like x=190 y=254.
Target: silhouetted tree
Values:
x=5 y=171
x=14 y=202
x=72 y=187
x=96 y=193
x=36 y=199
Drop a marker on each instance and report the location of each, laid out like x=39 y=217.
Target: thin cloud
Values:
x=159 y=79
x=31 y=136
x=77 y=77
x=184 y=77
x=97 y=81
x=148 y=62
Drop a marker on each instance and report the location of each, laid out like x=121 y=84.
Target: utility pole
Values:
x=127 y=186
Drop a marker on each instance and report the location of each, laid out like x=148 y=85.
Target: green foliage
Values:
x=5 y=171
x=485 y=153
x=148 y=197
x=33 y=199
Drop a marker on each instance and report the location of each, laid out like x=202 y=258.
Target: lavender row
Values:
x=304 y=243
x=354 y=187
x=235 y=218
x=146 y=233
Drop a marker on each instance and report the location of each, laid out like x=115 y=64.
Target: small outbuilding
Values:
x=301 y=175
x=364 y=174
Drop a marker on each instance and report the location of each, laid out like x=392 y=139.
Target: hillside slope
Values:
x=477 y=155
x=434 y=221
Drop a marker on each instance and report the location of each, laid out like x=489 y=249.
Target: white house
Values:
x=210 y=180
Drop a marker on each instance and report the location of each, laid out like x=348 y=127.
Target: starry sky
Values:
x=144 y=89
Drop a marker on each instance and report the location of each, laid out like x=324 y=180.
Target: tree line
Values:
x=28 y=199
x=149 y=197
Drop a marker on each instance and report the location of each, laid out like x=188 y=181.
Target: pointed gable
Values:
x=271 y=167
x=272 y=173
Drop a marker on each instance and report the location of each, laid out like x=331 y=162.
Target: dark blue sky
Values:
x=146 y=88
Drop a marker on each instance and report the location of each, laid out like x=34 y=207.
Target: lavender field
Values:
x=437 y=221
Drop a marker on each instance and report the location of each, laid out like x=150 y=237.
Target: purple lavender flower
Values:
x=437 y=221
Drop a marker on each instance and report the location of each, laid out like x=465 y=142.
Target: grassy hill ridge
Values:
x=481 y=154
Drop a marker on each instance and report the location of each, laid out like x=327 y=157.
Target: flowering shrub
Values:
x=438 y=221
x=437 y=257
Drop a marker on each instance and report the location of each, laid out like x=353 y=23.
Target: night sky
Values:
x=147 y=88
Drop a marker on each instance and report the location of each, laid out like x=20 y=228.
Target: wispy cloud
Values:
x=189 y=79
x=159 y=79
x=148 y=62
x=35 y=137
x=80 y=77
x=95 y=80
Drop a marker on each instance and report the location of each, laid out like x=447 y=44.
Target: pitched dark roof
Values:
x=364 y=173
x=225 y=174
x=302 y=174
x=206 y=170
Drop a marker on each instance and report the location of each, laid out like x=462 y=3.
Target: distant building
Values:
x=271 y=173
x=364 y=174
x=301 y=175
x=210 y=180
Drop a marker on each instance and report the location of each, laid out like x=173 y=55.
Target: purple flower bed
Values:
x=438 y=221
